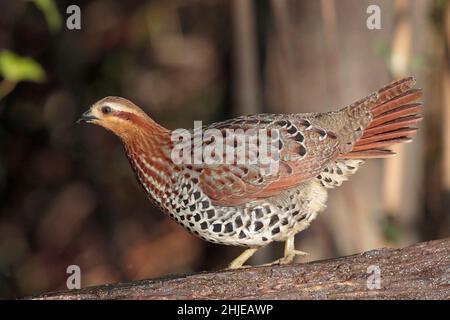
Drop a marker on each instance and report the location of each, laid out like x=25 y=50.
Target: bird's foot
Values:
x=288 y=258
x=234 y=267
x=239 y=261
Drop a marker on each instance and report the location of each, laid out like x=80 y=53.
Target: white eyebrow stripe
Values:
x=120 y=107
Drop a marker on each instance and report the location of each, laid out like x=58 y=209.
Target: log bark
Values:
x=420 y=271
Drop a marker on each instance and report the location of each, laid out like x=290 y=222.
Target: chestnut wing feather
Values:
x=304 y=150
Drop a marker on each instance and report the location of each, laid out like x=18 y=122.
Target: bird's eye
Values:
x=106 y=110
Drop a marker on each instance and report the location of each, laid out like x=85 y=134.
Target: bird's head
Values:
x=120 y=116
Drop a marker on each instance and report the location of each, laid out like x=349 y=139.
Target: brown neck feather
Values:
x=140 y=129
x=146 y=147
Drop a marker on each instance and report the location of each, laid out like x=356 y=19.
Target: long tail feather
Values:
x=392 y=114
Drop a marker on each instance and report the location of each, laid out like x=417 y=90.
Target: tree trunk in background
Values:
x=445 y=212
x=403 y=174
x=246 y=80
x=436 y=216
x=446 y=102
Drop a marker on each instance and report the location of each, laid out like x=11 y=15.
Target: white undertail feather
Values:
x=338 y=171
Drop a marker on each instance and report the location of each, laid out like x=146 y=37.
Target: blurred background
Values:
x=67 y=193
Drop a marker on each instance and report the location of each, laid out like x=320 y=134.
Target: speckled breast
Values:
x=254 y=224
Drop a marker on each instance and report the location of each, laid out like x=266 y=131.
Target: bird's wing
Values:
x=301 y=152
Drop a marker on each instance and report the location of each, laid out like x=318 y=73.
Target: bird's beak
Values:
x=87 y=117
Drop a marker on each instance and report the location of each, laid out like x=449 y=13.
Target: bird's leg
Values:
x=242 y=258
x=289 y=253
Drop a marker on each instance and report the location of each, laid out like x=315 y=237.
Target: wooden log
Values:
x=420 y=271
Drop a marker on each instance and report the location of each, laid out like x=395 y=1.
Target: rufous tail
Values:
x=393 y=116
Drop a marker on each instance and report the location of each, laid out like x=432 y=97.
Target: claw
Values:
x=300 y=253
x=289 y=254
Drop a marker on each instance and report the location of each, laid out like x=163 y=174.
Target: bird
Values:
x=236 y=203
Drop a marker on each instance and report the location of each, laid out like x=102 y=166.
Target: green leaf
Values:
x=390 y=229
x=51 y=13
x=382 y=50
x=16 y=68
